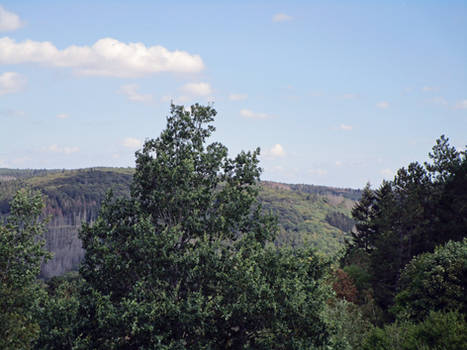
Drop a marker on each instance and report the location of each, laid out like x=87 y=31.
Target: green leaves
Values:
x=184 y=263
x=423 y=207
x=21 y=253
x=434 y=281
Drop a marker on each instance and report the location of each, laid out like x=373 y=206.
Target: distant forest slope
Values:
x=315 y=215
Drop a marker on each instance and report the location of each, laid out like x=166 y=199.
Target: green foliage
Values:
x=359 y=276
x=184 y=262
x=307 y=218
x=347 y=324
x=307 y=214
x=434 y=281
x=424 y=206
x=21 y=253
x=57 y=313
x=439 y=331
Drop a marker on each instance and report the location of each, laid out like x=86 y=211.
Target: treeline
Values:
x=406 y=266
x=188 y=261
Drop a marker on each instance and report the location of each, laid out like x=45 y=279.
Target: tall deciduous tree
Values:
x=21 y=254
x=184 y=262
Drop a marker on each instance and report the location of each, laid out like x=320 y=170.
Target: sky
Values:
x=336 y=93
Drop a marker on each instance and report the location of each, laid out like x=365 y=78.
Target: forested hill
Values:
x=317 y=215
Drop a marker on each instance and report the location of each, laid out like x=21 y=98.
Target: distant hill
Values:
x=307 y=214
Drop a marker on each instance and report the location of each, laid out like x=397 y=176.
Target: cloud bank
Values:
x=107 y=57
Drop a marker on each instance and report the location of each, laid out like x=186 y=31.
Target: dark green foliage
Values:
x=341 y=221
x=424 y=206
x=21 y=253
x=184 y=263
x=434 y=281
x=439 y=331
x=348 y=193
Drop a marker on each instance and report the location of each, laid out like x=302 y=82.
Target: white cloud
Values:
x=131 y=142
x=346 y=127
x=387 y=173
x=107 y=57
x=281 y=17
x=350 y=96
x=438 y=100
x=429 y=88
x=130 y=91
x=237 y=97
x=277 y=151
x=11 y=82
x=65 y=150
x=338 y=163
x=9 y=21
x=253 y=115
x=461 y=104
x=62 y=116
x=383 y=105
x=197 y=89
x=319 y=172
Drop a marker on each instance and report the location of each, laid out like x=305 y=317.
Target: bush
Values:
x=439 y=331
x=434 y=281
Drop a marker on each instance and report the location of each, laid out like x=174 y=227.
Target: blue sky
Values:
x=335 y=93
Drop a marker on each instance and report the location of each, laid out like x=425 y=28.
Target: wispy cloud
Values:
x=383 y=105
x=438 y=100
x=58 y=149
x=62 y=116
x=350 y=96
x=318 y=172
x=9 y=21
x=237 y=97
x=429 y=88
x=346 y=127
x=12 y=113
x=254 y=115
x=281 y=17
x=130 y=91
x=197 y=89
x=11 y=82
x=131 y=142
x=107 y=57
x=461 y=104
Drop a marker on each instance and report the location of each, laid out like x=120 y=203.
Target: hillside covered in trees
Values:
x=189 y=255
x=315 y=215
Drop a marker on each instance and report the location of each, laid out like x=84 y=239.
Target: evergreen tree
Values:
x=423 y=206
